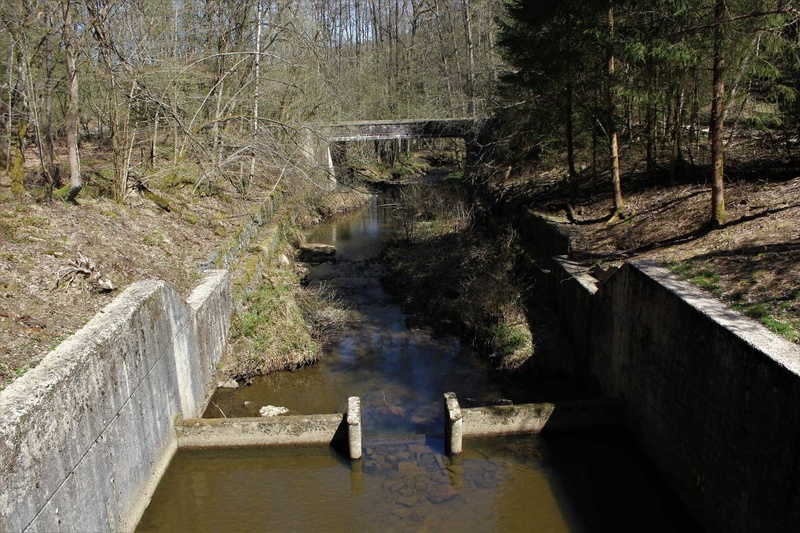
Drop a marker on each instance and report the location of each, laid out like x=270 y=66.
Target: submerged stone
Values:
x=407 y=501
x=272 y=410
x=442 y=494
x=316 y=253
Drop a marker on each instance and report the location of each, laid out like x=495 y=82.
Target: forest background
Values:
x=113 y=103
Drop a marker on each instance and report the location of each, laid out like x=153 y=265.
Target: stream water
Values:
x=576 y=481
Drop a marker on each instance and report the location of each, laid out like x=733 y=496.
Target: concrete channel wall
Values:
x=86 y=435
x=712 y=396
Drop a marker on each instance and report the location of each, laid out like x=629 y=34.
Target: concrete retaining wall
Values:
x=85 y=436
x=712 y=396
x=236 y=246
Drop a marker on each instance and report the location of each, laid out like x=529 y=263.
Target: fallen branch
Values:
x=84 y=267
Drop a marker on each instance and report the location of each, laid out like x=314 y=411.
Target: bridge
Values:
x=317 y=142
x=385 y=130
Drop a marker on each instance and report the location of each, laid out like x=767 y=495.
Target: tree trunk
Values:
x=154 y=143
x=718 y=215
x=51 y=172
x=16 y=157
x=9 y=111
x=619 y=204
x=76 y=182
x=651 y=138
x=677 y=127
x=256 y=91
x=573 y=174
x=175 y=92
x=443 y=54
x=16 y=149
x=470 y=59
x=694 y=120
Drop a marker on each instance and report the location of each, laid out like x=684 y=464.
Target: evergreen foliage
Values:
x=661 y=91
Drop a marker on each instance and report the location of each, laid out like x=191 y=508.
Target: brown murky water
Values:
x=577 y=481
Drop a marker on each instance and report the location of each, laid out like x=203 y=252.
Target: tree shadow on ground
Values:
x=592 y=188
x=704 y=229
x=767 y=273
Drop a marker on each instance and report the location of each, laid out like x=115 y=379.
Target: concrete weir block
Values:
x=320 y=430
x=453 y=424
x=506 y=419
x=492 y=420
x=354 y=426
x=240 y=432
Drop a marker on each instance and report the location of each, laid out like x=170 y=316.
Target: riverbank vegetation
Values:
x=277 y=323
x=280 y=325
x=451 y=277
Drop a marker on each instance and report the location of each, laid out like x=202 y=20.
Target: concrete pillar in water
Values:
x=354 y=426
x=453 y=430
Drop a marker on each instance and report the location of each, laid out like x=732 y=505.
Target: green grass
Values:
x=55 y=342
x=35 y=220
x=411 y=167
x=790 y=331
x=270 y=330
x=700 y=275
x=154 y=238
x=758 y=311
x=509 y=339
x=708 y=280
x=778 y=317
x=8 y=230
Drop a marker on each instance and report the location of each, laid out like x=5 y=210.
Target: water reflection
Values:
x=591 y=481
x=401 y=485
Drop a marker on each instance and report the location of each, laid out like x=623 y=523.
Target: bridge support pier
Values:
x=317 y=151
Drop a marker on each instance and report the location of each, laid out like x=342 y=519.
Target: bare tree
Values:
x=16 y=17
x=69 y=37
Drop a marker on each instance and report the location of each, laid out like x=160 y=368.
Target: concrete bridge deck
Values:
x=318 y=140
x=379 y=130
